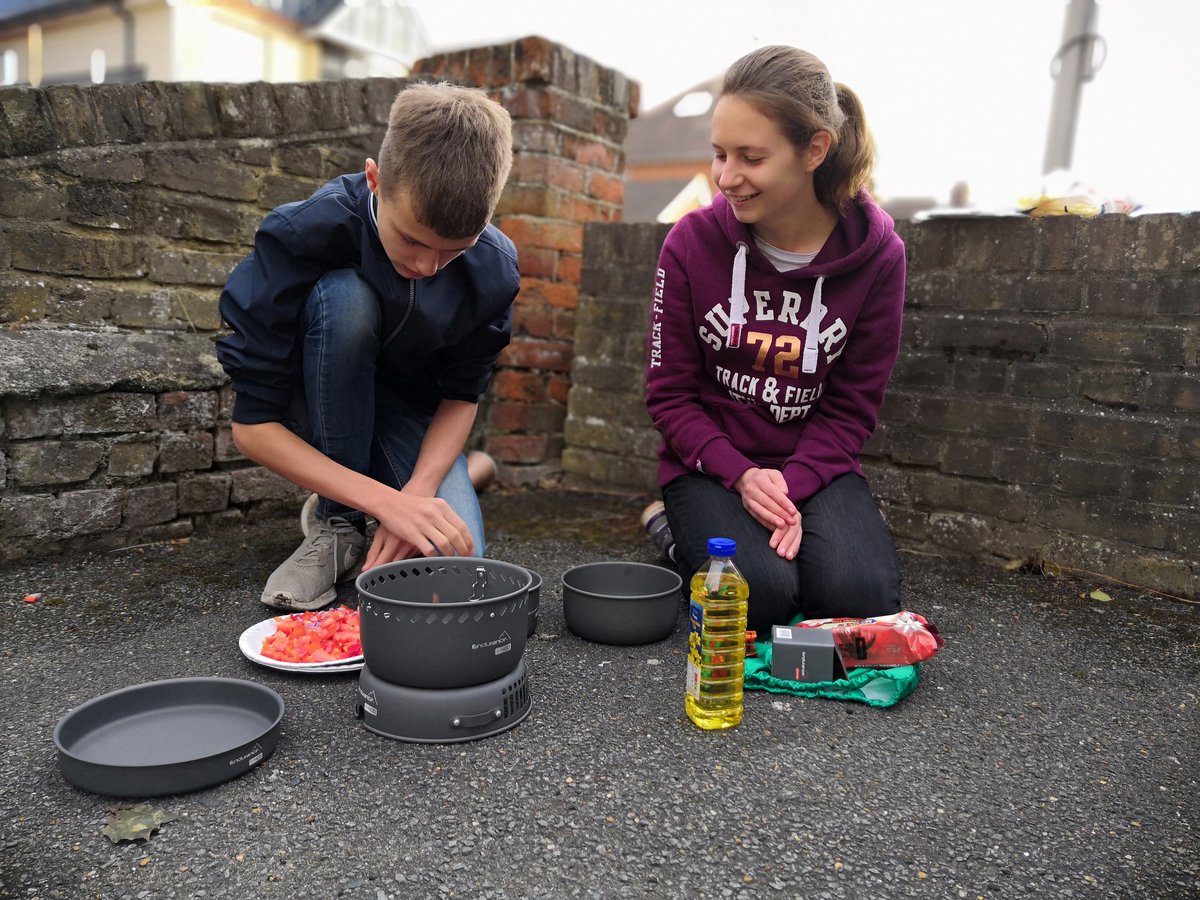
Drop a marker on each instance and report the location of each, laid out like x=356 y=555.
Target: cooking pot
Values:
x=443 y=622
x=535 y=594
x=616 y=602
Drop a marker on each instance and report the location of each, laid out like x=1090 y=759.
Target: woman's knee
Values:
x=857 y=592
x=774 y=592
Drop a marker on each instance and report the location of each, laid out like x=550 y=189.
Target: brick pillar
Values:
x=569 y=121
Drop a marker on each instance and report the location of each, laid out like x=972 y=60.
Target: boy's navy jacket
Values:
x=441 y=335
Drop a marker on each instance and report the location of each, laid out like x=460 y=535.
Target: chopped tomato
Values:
x=312 y=637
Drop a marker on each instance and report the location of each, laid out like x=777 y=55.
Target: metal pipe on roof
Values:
x=127 y=22
x=1075 y=65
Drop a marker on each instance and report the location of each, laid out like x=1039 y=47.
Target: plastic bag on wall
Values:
x=1063 y=197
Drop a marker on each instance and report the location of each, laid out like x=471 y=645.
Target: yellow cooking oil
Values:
x=717 y=640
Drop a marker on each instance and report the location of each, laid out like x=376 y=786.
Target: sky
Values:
x=954 y=90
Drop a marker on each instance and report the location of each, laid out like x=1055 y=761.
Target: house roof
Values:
x=659 y=135
x=15 y=13
x=644 y=200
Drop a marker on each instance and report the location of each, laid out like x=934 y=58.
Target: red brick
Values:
x=533 y=321
x=520 y=230
x=608 y=126
x=558 y=387
x=451 y=66
x=530 y=200
x=563 y=174
x=537 y=136
x=530 y=103
x=534 y=59
x=529 y=167
x=529 y=353
x=539 y=261
x=524 y=387
x=516 y=448
x=592 y=154
x=527 y=418
x=481 y=66
x=574 y=112
x=577 y=209
x=430 y=65
x=554 y=235
x=606 y=187
x=502 y=70
x=506 y=417
x=564 y=324
x=456 y=69
x=570 y=268
x=537 y=291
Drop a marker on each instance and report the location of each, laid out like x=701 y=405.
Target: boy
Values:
x=365 y=326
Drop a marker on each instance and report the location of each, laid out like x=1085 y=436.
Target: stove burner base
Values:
x=445 y=716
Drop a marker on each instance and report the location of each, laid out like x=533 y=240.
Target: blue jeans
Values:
x=350 y=415
x=846 y=565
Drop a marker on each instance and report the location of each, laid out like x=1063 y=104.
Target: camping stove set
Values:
x=443 y=643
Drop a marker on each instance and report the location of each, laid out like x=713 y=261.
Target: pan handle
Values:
x=483 y=718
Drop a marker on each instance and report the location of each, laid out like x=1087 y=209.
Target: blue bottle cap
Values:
x=721 y=546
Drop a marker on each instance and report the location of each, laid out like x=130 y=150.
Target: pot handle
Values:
x=479 y=588
x=483 y=718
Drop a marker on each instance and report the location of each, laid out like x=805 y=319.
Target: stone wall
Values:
x=124 y=207
x=1046 y=403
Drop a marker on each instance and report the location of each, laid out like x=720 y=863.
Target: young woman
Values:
x=774 y=330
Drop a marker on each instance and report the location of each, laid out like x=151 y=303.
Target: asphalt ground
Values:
x=1049 y=751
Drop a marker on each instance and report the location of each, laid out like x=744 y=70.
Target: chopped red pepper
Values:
x=310 y=637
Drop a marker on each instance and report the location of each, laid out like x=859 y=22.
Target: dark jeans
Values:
x=351 y=417
x=846 y=565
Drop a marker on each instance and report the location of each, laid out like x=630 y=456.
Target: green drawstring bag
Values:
x=875 y=687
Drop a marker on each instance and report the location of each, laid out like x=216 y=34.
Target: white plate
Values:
x=251 y=641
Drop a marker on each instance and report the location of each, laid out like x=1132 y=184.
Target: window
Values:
x=697 y=103
x=98 y=66
x=11 y=67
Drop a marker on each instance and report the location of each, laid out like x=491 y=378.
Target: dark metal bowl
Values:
x=621 y=602
x=169 y=736
x=444 y=621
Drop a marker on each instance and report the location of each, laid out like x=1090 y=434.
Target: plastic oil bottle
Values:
x=717 y=640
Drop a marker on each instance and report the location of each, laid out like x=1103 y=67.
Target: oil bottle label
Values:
x=696 y=628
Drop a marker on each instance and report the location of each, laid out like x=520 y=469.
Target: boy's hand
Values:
x=418 y=526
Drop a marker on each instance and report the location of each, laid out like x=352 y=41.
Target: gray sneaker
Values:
x=333 y=551
x=308 y=514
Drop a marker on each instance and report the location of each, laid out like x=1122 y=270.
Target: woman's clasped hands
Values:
x=765 y=496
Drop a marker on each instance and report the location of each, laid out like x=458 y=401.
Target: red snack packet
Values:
x=751 y=637
x=883 y=641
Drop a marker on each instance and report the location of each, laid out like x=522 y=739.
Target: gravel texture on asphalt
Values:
x=1049 y=751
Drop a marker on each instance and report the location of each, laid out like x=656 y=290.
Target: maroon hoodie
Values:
x=800 y=391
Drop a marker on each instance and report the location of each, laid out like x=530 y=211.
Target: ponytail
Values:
x=847 y=168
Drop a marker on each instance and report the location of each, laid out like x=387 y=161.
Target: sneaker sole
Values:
x=276 y=601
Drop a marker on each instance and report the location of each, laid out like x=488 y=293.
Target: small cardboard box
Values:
x=804 y=654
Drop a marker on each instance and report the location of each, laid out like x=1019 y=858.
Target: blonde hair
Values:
x=449 y=149
x=794 y=89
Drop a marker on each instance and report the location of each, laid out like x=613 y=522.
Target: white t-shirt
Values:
x=783 y=260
